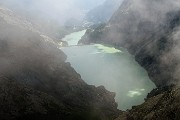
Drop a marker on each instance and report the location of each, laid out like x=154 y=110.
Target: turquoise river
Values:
x=115 y=69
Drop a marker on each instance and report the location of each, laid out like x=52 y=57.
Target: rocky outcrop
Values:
x=37 y=83
x=148 y=32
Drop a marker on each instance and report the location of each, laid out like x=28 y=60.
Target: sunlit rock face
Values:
x=37 y=83
x=150 y=31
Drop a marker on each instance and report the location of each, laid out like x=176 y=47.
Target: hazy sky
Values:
x=60 y=10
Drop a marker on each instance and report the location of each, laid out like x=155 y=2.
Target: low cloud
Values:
x=57 y=10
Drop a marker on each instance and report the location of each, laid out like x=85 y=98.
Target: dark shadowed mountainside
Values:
x=37 y=83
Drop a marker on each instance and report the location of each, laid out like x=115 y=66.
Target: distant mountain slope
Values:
x=149 y=30
x=11 y=18
x=103 y=13
x=37 y=83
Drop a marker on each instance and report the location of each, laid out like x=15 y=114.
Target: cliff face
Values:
x=37 y=83
x=150 y=31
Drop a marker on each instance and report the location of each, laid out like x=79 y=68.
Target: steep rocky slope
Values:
x=19 y=101
x=150 y=31
x=37 y=83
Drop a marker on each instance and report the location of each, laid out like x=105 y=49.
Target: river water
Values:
x=115 y=69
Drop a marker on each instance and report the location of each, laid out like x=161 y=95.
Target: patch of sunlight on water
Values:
x=74 y=38
x=106 y=49
x=136 y=92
